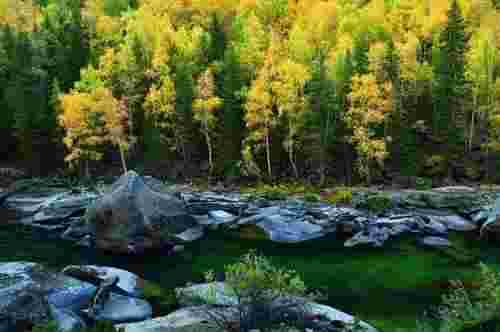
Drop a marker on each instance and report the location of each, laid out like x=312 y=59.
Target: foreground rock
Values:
x=31 y=294
x=190 y=319
x=133 y=217
x=220 y=294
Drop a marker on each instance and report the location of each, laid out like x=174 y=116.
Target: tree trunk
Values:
x=268 y=156
x=122 y=157
x=210 y=156
x=472 y=123
x=292 y=160
x=291 y=156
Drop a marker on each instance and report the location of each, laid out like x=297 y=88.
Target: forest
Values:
x=357 y=91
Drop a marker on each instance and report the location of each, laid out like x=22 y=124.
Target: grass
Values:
x=389 y=287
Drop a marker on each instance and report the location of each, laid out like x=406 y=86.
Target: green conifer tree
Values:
x=233 y=112
x=451 y=87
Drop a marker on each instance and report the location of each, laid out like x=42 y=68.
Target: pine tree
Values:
x=402 y=119
x=321 y=90
x=184 y=91
x=451 y=83
x=233 y=112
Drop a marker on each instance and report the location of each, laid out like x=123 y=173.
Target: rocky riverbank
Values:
x=137 y=213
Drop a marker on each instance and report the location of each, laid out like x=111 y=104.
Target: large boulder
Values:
x=133 y=217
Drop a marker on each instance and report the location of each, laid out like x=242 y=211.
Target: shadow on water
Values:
x=394 y=283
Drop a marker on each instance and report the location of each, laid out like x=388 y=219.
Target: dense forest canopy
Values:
x=256 y=87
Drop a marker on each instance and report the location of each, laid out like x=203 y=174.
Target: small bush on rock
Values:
x=267 y=295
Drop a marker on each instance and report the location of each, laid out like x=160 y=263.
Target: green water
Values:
x=387 y=287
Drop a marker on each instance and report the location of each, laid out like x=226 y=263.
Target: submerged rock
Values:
x=132 y=217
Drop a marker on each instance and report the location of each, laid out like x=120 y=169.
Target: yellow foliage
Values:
x=91 y=119
x=369 y=106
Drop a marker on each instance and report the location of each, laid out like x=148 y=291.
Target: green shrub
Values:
x=340 y=196
x=311 y=197
x=423 y=183
x=375 y=203
x=435 y=166
x=163 y=300
x=466 y=310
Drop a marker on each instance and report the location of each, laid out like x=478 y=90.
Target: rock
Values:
x=77 y=230
x=191 y=234
x=28 y=306
x=200 y=293
x=86 y=242
x=492 y=224
x=455 y=189
x=431 y=226
x=121 y=309
x=375 y=236
x=128 y=283
x=191 y=319
x=221 y=217
x=435 y=242
x=335 y=315
x=133 y=216
x=455 y=223
x=32 y=293
x=66 y=320
x=50 y=207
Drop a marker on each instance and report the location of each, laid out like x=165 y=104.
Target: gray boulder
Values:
x=133 y=217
